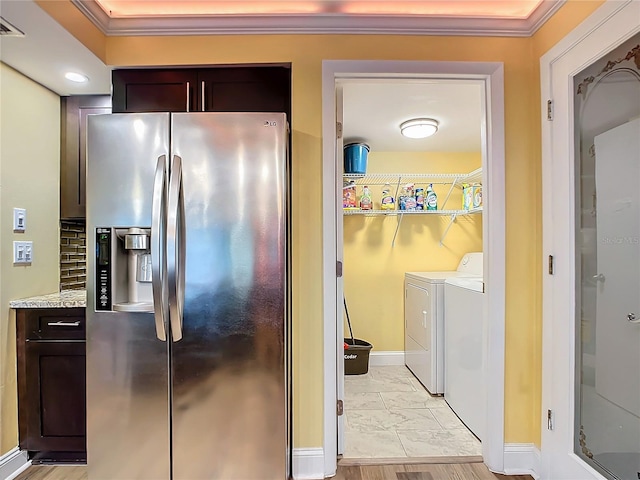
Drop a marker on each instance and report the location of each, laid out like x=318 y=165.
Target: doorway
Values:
x=490 y=77
x=398 y=409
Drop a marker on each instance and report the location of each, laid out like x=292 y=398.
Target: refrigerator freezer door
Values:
x=128 y=434
x=229 y=401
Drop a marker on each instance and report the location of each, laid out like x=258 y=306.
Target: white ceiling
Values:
x=47 y=51
x=373 y=113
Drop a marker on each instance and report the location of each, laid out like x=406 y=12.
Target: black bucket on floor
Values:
x=356 y=356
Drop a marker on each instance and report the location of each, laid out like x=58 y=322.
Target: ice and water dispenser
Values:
x=123 y=270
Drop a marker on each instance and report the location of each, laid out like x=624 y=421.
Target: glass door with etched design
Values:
x=607 y=172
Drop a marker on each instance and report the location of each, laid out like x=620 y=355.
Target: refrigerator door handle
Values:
x=188 y=96
x=176 y=240
x=158 y=225
x=202 y=94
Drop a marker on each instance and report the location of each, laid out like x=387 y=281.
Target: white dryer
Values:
x=465 y=346
x=424 y=320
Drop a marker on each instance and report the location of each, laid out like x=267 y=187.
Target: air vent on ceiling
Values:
x=9 y=30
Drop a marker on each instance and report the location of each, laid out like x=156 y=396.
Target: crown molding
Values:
x=317 y=23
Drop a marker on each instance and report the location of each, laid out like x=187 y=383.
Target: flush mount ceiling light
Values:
x=419 y=127
x=76 y=77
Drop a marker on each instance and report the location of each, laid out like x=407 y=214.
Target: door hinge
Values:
x=340 y=408
x=550 y=110
x=551 y=265
x=549 y=420
x=338 y=269
x=338 y=129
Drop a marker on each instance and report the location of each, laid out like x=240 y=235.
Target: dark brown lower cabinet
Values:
x=52 y=384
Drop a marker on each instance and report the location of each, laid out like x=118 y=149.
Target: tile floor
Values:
x=390 y=414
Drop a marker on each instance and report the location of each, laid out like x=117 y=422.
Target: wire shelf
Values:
x=394 y=213
x=398 y=179
x=404 y=178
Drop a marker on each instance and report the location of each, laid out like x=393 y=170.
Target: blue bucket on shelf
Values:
x=355 y=158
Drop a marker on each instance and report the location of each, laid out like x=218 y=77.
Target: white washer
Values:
x=465 y=340
x=424 y=320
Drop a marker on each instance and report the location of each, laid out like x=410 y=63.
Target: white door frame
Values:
x=493 y=163
x=610 y=25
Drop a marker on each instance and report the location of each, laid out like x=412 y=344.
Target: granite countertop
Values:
x=63 y=299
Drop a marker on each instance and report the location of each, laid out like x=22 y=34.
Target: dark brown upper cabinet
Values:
x=154 y=90
x=212 y=89
x=245 y=89
x=73 y=127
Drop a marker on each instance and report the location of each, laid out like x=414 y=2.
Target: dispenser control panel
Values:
x=103 y=269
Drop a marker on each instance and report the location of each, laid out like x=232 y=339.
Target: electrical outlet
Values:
x=19 y=219
x=22 y=253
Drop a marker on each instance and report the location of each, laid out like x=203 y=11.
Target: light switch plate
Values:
x=22 y=253
x=19 y=219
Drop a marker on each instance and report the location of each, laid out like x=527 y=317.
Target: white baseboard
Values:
x=308 y=463
x=522 y=459
x=383 y=359
x=13 y=463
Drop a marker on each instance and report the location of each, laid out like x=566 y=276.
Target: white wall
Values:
x=29 y=178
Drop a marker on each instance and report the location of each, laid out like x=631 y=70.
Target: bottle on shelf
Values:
x=431 y=199
x=349 y=195
x=365 y=199
x=467 y=196
x=410 y=200
x=387 y=202
x=402 y=198
x=419 y=198
x=477 y=195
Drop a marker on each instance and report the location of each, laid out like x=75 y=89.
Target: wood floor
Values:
x=415 y=471
x=422 y=471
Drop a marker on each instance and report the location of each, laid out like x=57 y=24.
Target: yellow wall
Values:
x=374 y=270
x=523 y=203
x=306 y=53
x=29 y=178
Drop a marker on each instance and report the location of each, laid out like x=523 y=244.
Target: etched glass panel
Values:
x=607 y=172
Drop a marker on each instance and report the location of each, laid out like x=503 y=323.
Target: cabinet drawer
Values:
x=56 y=324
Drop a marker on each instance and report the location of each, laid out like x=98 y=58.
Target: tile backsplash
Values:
x=73 y=254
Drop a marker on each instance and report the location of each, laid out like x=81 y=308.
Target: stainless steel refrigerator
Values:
x=188 y=341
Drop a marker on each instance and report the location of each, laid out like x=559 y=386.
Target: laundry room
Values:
x=412 y=207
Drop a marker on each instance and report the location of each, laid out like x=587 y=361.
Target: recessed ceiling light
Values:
x=76 y=77
x=419 y=127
